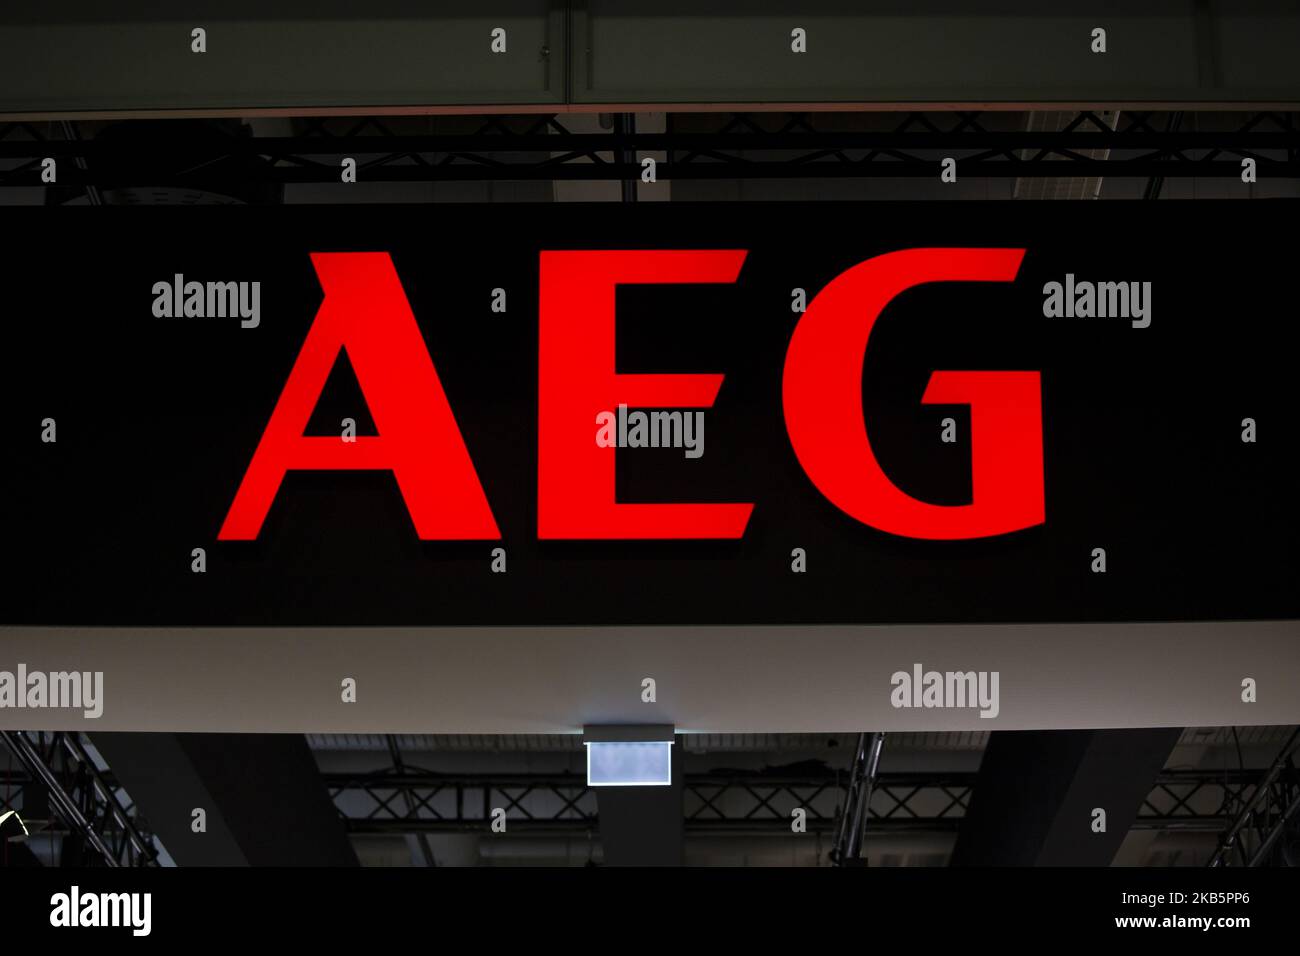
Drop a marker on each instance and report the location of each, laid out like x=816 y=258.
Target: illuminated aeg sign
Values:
x=365 y=310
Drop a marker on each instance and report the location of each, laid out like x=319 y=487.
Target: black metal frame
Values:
x=96 y=821
x=1272 y=808
x=753 y=802
x=1249 y=808
x=742 y=146
x=863 y=775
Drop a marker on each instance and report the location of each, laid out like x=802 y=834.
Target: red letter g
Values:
x=822 y=392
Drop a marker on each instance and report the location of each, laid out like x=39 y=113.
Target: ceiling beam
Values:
x=72 y=61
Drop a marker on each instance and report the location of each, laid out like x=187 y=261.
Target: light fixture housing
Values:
x=626 y=755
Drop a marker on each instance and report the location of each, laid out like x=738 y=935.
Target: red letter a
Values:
x=365 y=311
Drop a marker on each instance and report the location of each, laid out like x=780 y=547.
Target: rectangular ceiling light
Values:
x=629 y=755
x=629 y=763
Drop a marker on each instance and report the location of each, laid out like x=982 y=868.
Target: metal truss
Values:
x=56 y=786
x=749 y=802
x=60 y=791
x=208 y=154
x=850 y=830
x=1267 y=815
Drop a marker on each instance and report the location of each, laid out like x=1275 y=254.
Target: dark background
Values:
x=158 y=419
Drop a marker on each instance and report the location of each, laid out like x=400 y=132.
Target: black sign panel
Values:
x=1169 y=430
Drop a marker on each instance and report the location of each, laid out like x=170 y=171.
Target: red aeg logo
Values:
x=366 y=311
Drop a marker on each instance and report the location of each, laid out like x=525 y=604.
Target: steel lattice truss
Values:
x=206 y=154
x=752 y=802
x=1265 y=818
x=59 y=790
x=85 y=807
